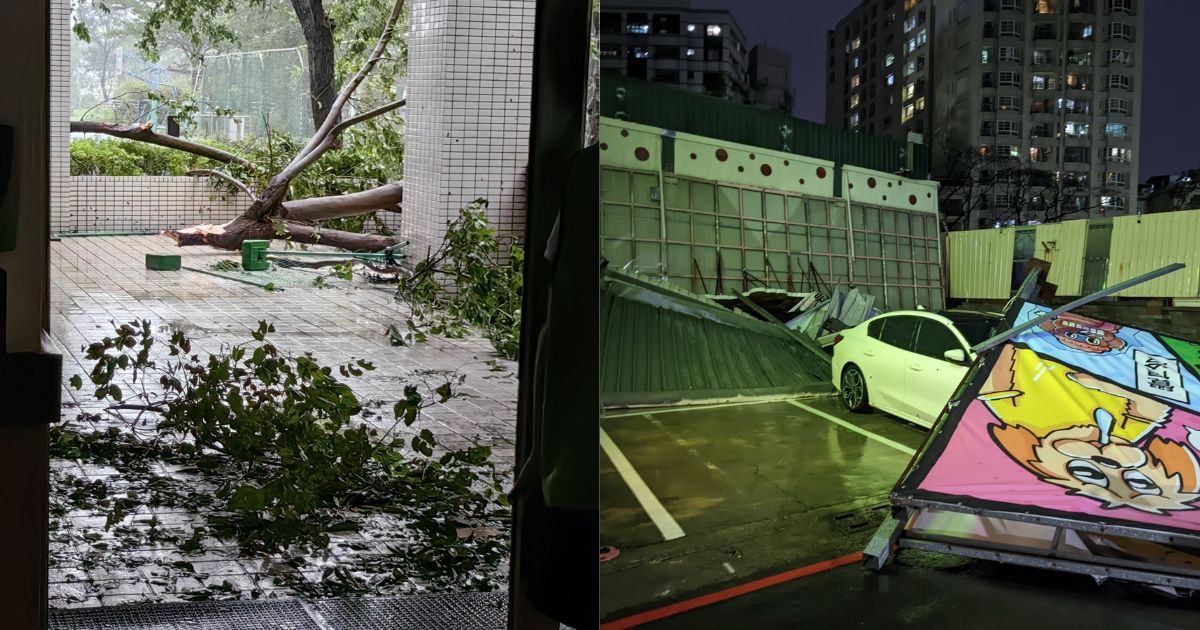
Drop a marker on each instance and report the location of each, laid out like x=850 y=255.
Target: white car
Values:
x=907 y=363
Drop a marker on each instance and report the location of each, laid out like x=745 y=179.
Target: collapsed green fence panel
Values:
x=660 y=345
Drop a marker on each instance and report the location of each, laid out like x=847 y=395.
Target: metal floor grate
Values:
x=233 y=615
x=451 y=611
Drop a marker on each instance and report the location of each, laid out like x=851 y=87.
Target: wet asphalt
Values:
x=765 y=488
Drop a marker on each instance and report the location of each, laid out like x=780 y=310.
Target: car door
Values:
x=887 y=358
x=930 y=379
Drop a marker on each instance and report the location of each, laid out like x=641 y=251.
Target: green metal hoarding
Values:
x=662 y=345
x=668 y=107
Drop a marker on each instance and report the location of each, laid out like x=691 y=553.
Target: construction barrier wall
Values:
x=665 y=106
x=715 y=217
x=1086 y=255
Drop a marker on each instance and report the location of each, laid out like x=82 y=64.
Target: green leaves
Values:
x=444 y=392
x=280 y=439
x=486 y=290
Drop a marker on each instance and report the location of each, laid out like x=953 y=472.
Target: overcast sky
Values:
x=1170 y=135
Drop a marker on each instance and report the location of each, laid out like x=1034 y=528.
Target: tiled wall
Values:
x=136 y=204
x=467 y=120
x=60 y=105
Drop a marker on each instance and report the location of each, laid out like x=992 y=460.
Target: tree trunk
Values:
x=349 y=205
x=231 y=235
x=318 y=35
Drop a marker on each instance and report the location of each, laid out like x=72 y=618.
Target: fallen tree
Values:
x=270 y=214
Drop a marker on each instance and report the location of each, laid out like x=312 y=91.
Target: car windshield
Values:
x=975 y=327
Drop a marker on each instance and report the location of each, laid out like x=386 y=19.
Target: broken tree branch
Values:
x=222 y=175
x=144 y=133
x=381 y=198
x=230 y=235
x=354 y=120
x=350 y=241
x=323 y=139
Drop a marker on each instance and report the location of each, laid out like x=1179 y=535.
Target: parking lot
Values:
x=751 y=515
x=740 y=490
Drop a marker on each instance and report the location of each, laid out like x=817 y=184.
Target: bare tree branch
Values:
x=382 y=198
x=144 y=133
x=222 y=175
x=378 y=111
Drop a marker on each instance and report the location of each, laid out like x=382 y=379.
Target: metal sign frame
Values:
x=908 y=499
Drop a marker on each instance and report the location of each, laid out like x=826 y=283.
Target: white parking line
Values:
x=859 y=430
x=654 y=508
x=626 y=414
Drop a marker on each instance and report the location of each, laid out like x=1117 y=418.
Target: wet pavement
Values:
x=98 y=279
x=755 y=488
x=921 y=590
x=765 y=488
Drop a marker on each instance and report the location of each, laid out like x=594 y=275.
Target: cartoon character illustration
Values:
x=1132 y=358
x=1084 y=333
x=1087 y=435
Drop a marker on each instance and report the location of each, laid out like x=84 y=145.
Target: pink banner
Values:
x=1046 y=435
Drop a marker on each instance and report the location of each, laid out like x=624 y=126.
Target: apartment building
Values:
x=700 y=50
x=878 y=69
x=1031 y=107
x=771 y=78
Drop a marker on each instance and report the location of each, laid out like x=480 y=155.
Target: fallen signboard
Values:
x=1072 y=444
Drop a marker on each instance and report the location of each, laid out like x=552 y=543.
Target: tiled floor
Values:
x=98 y=279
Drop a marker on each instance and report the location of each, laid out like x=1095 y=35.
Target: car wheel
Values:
x=854 y=389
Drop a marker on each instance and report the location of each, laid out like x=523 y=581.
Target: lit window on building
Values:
x=1117 y=154
x=712 y=30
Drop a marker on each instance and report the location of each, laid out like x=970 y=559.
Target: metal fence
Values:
x=671 y=108
x=712 y=237
x=1086 y=255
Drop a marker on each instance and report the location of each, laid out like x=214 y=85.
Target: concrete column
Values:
x=61 y=211
x=470 y=67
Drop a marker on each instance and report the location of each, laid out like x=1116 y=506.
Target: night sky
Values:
x=1170 y=92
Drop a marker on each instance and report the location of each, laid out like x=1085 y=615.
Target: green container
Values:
x=254 y=255
x=163 y=262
